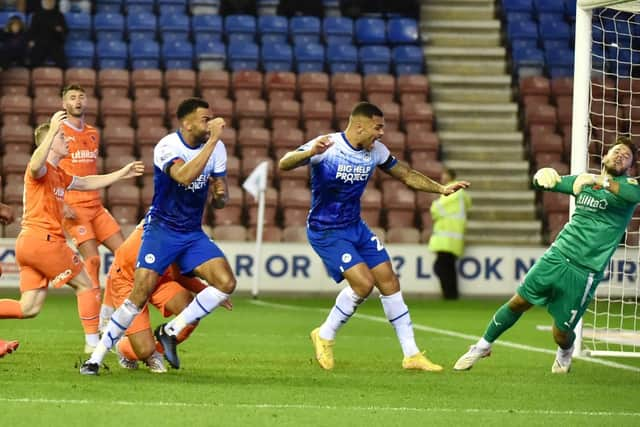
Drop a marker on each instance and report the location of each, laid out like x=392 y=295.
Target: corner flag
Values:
x=257 y=180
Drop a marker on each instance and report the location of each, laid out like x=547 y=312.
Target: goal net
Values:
x=607 y=83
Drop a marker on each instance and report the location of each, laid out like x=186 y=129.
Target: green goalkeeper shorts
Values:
x=565 y=288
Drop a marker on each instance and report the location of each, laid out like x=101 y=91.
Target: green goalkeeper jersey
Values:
x=598 y=223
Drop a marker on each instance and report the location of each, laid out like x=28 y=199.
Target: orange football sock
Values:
x=89 y=309
x=10 y=309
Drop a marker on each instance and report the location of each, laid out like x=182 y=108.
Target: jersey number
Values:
x=379 y=246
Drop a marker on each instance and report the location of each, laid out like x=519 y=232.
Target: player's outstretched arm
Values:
x=417 y=181
x=296 y=158
x=39 y=156
x=546 y=178
x=186 y=172
x=94 y=182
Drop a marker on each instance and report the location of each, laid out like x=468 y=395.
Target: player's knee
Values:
x=145 y=350
x=228 y=284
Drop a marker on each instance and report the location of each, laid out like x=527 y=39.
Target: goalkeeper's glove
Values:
x=547 y=177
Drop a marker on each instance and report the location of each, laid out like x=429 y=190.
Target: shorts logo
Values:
x=82 y=230
x=346 y=258
x=149 y=258
x=75 y=259
x=60 y=277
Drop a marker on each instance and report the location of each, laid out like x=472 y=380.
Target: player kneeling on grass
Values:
x=41 y=247
x=170 y=296
x=565 y=278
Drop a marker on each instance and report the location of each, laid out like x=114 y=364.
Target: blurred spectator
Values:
x=19 y=5
x=303 y=8
x=46 y=35
x=238 y=7
x=13 y=43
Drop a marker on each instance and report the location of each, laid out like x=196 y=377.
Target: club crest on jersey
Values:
x=346 y=257
x=149 y=258
x=632 y=181
x=366 y=156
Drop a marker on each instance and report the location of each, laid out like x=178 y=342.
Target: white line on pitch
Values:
x=277 y=406
x=455 y=334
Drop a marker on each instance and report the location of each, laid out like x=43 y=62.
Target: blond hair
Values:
x=40 y=132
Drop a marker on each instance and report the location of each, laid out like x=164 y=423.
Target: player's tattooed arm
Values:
x=417 y=181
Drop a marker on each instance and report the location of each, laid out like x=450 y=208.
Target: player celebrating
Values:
x=565 y=278
x=170 y=296
x=85 y=219
x=41 y=248
x=184 y=161
x=341 y=165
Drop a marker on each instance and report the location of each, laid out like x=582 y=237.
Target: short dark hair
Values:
x=367 y=110
x=190 y=105
x=626 y=140
x=71 y=87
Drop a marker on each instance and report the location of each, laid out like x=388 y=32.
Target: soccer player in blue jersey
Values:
x=184 y=163
x=341 y=165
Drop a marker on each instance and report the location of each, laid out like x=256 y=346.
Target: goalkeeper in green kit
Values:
x=565 y=278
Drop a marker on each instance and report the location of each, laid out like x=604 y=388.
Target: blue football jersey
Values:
x=181 y=207
x=339 y=176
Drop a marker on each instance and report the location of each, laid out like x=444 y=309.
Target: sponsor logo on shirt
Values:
x=352 y=173
x=84 y=156
x=198 y=184
x=58 y=192
x=591 y=203
x=60 y=277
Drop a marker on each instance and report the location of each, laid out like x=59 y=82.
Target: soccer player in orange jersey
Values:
x=7 y=216
x=170 y=296
x=41 y=248
x=85 y=219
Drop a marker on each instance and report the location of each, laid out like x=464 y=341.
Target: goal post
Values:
x=606 y=103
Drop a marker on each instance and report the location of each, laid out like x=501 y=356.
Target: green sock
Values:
x=502 y=320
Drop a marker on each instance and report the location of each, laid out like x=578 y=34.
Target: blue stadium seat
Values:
x=555 y=44
x=309 y=58
x=402 y=31
x=242 y=56
x=304 y=29
x=112 y=54
x=144 y=53
x=371 y=31
x=518 y=44
x=108 y=26
x=528 y=61
x=177 y=54
x=240 y=28
x=522 y=30
x=207 y=27
x=108 y=6
x=524 y=6
x=374 y=59
x=79 y=25
x=554 y=30
x=548 y=6
x=141 y=25
x=139 y=6
x=79 y=53
x=342 y=58
x=273 y=29
x=174 y=27
x=570 y=9
x=407 y=59
x=178 y=7
x=276 y=57
x=210 y=54
x=518 y=16
x=337 y=30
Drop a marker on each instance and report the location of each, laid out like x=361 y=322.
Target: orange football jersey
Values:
x=81 y=161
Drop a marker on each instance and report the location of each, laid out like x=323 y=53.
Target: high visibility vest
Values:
x=449 y=214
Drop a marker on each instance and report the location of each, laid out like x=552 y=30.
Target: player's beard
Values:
x=613 y=171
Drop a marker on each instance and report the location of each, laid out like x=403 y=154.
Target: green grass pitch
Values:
x=255 y=366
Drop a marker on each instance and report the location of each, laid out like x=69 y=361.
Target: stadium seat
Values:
x=108 y=6
x=284 y=113
x=304 y=29
x=150 y=111
x=402 y=31
x=294 y=233
x=565 y=111
x=180 y=83
x=177 y=54
x=370 y=31
x=523 y=6
x=47 y=80
x=173 y=26
x=254 y=141
x=559 y=62
x=317 y=114
x=391 y=112
x=288 y=139
x=563 y=86
x=79 y=25
x=294 y=205
x=416 y=117
x=176 y=7
x=337 y=30
x=123 y=136
x=553 y=29
x=113 y=83
x=309 y=58
x=548 y=6
x=233 y=164
x=273 y=29
x=44 y=106
x=141 y=26
x=144 y=54
x=407 y=60
x=250 y=112
x=222 y=107
x=527 y=62
x=371 y=205
x=15 y=109
x=204 y=7
x=379 y=88
x=535 y=85
x=521 y=29
x=342 y=58
x=423 y=145
x=240 y=28
x=313 y=86
x=242 y=56
x=146 y=83
x=276 y=57
x=374 y=59
x=396 y=142
x=79 y=53
x=247 y=84
x=116 y=111
x=15 y=81
x=271 y=200
x=280 y=85
x=402 y=235
x=540 y=114
x=213 y=83
x=237 y=233
x=271 y=233
x=412 y=88
x=16 y=133
x=85 y=77
x=207 y=28
x=139 y=6
x=232 y=212
x=346 y=87
x=108 y=26
x=210 y=55
x=149 y=135
x=112 y=54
